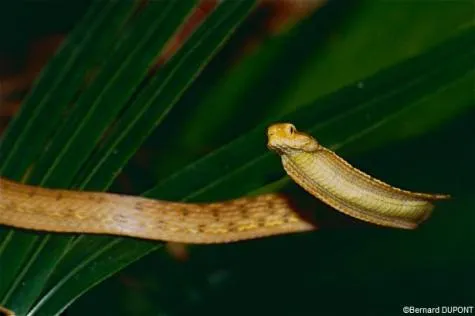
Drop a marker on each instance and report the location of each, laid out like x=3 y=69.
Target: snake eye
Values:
x=291 y=129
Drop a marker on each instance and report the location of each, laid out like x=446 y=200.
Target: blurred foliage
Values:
x=387 y=84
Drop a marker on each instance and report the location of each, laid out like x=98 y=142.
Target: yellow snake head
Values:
x=284 y=138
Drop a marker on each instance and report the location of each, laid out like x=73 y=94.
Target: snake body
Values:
x=317 y=169
x=104 y=213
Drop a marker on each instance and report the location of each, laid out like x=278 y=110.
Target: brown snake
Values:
x=317 y=169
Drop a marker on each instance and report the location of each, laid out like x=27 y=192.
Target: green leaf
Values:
x=379 y=34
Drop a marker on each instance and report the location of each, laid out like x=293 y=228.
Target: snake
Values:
x=318 y=170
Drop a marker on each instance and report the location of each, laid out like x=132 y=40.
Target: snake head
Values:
x=284 y=138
